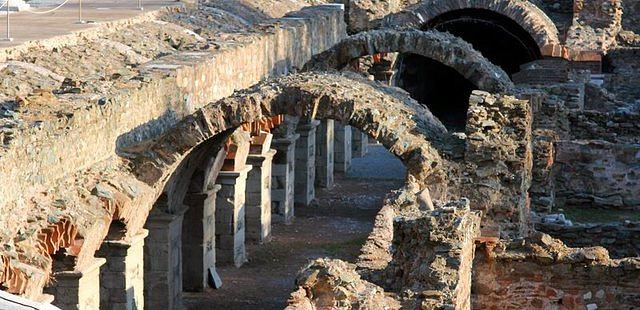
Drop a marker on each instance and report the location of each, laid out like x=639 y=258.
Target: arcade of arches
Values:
x=438 y=154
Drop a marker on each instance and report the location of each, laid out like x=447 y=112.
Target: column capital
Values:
x=130 y=241
x=230 y=177
x=96 y=263
x=258 y=159
x=162 y=216
x=284 y=141
x=308 y=126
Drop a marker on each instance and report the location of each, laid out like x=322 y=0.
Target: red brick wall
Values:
x=531 y=283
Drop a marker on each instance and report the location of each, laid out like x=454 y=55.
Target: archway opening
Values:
x=350 y=176
x=441 y=88
x=499 y=38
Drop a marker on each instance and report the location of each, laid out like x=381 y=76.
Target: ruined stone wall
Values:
x=620 y=239
x=615 y=127
x=631 y=15
x=428 y=266
x=548 y=275
x=159 y=103
x=585 y=157
x=560 y=11
x=498 y=159
x=624 y=76
x=596 y=25
x=543 y=183
x=37 y=148
x=592 y=172
x=364 y=14
x=432 y=255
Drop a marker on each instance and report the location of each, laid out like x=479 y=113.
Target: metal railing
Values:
x=6 y=4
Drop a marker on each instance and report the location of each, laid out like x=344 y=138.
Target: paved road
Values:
x=26 y=26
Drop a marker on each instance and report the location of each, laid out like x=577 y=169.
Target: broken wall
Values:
x=620 y=239
x=631 y=15
x=498 y=160
x=544 y=274
x=623 y=76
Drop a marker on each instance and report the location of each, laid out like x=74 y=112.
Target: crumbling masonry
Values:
x=137 y=157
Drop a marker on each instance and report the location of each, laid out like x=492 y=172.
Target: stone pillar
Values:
x=324 y=154
x=360 y=143
x=342 y=147
x=77 y=289
x=230 y=217
x=163 y=259
x=305 y=173
x=283 y=178
x=199 y=240
x=122 y=278
x=258 y=206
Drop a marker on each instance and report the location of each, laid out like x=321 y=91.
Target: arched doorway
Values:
x=499 y=38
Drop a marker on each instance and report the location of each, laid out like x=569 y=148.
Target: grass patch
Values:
x=350 y=247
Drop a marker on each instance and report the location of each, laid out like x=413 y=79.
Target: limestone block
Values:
x=325 y=154
x=162 y=259
x=122 y=278
x=78 y=289
x=283 y=179
x=198 y=240
x=258 y=204
x=342 y=147
x=230 y=217
x=305 y=163
x=360 y=143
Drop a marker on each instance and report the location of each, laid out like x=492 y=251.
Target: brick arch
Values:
x=531 y=18
x=444 y=48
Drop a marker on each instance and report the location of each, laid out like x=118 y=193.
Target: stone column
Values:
x=199 y=240
x=163 y=259
x=360 y=143
x=230 y=217
x=122 y=278
x=283 y=178
x=77 y=289
x=342 y=147
x=258 y=205
x=305 y=173
x=324 y=154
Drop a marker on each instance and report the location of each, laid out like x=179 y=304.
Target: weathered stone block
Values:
x=342 y=147
x=198 y=240
x=360 y=143
x=162 y=260
x=78 y=289
x=324 y=154
x=230 y=217
x=258 y=204
x=122 y=278
x=305 y=163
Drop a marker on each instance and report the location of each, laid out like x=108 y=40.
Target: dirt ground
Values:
x=335 y=226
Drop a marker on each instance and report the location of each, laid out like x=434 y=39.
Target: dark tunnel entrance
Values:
x=442 y=89
x=499 y=38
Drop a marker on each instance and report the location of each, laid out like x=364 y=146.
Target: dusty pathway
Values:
x=335 y=226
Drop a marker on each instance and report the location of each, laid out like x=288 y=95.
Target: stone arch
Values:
x=441 y=47
x=128 y=191
x=387 y=114
x=526 y=14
